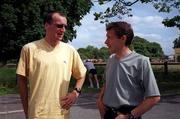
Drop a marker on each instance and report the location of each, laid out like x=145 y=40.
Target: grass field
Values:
x=7 y=81
x=171 y=68
x=7 y=77
x=167 y=82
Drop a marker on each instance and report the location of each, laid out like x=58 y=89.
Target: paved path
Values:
x=85 y=108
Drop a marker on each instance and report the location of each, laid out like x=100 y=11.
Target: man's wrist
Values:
x=77 y=90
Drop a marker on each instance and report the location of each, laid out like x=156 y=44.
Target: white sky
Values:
x=146 y=22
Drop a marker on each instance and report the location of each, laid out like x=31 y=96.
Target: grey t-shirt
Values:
x=129 y=80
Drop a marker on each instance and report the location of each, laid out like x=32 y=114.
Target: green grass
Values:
x=7 y=77
x=171 y=68
x=85 y=88
x=7 y=90
x=167 y=82
x=169 y=87
x=7 y=73
x=7 y=81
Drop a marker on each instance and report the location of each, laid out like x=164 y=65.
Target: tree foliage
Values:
x=123 y=7
x=144 y=47
x=140 y=45
x=91 y=52
x=21 y=21
x=176 y=43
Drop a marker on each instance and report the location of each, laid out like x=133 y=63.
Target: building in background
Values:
x=177 y=54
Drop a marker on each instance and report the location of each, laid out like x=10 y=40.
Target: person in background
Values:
x=47 y=64
x=92 y=73
x=130 y=87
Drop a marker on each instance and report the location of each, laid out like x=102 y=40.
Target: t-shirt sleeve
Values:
x=22 y=68
x=78 y=69
x=149 y=81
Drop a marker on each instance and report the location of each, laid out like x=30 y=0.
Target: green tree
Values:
x=147 y=48
x=103 y=53
x=123 y=7
x=21 y=21
x=176 y=43
x=91 y=52
x=83 y=53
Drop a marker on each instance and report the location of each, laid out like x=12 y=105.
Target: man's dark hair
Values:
x=48 y=18
x=122 y=28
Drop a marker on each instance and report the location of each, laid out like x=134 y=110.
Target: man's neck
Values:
x=51 y=42
x=123 y=53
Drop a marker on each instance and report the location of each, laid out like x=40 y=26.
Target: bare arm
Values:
x=101 y=94
x=70 y=99
x=23 y=90
x=146 y=105
x=100 y=103
x=80 y=82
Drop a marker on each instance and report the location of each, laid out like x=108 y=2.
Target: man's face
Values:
x=56 y=29
x=114 y=43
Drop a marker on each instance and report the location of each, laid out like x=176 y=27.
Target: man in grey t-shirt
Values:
x=130 y=89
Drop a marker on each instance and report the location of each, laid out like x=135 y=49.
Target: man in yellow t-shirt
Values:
x=47 y=65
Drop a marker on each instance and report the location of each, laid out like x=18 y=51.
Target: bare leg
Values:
x=96 y=79
x=90 y=81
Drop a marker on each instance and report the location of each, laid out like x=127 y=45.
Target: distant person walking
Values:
x=92 y=73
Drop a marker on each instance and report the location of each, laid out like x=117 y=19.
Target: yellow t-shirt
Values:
x=49 y=71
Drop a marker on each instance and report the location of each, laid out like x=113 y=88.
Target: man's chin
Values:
x=60 y=39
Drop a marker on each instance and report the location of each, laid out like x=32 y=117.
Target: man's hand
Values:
x=68 y=100
x=122 y=116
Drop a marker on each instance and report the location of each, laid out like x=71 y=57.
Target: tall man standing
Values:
x=47 y=65
x=130 y=89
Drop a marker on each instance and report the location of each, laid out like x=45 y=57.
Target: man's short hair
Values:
x=122 y=28
x=48 y=18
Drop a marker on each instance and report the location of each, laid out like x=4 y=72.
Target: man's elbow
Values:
x=21 y=80
x=156 y=99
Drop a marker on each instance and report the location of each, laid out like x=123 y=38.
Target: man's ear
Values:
x=124 y=38
x=46 y=25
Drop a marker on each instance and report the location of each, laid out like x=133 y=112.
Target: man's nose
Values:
x=62 y=29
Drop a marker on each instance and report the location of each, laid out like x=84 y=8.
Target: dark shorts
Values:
x=111 y=112
x=93 y=71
